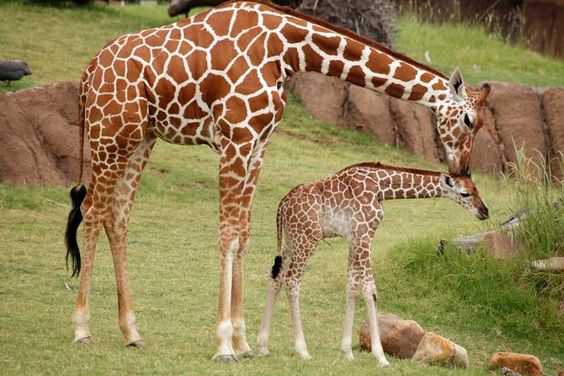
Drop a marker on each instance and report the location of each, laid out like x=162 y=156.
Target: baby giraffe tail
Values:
x=279 y=229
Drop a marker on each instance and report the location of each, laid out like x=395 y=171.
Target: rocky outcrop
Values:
x=516 y=115
x=524 y=364
x=39 y=133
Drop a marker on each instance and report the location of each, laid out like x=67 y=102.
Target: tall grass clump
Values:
x=540 y=203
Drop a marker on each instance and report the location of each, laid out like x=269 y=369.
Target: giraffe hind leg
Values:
x=107 y=168
x=115 y=224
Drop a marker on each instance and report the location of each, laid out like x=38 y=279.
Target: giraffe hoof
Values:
x=140 y=345
x=246 y=355
x=225 y=359
x=85 y=341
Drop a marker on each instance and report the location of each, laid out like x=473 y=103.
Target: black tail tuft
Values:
x=276 y=267
x=77 y=195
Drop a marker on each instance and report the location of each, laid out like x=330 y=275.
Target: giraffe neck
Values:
x=399 y=184
x=310 y=47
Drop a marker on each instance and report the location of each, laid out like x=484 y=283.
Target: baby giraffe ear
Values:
x=456 y=84
x=447 y=180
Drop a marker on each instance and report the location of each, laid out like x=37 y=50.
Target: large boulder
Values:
x=488 y=153
x=399 y=337
x=323 y=96
x=518 y=118
x=370 y=112
x=553 y=108
x=39 y=133
x=415 y=129
x=526 y=365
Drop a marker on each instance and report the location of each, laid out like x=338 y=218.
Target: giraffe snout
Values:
x=483 y=213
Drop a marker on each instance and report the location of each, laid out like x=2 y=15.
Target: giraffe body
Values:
x=348 y=204
x=216 y=79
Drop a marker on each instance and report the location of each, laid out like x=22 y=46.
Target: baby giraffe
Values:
x=349 y=204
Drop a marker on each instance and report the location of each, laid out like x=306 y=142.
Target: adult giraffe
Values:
x=216 y=79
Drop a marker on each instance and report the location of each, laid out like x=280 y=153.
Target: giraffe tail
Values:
x=77 y=193
x=279 y=229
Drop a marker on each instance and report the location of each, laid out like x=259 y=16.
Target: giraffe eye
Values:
x=464 y=194
x=467 y=121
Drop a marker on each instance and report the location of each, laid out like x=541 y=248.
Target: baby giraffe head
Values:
x=462 y=190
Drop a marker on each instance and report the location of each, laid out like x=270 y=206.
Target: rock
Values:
x=526 y=365
x=487 y=154
x=416 y=129
x=370 y=112
x=501 y=246
x=434 y=349
x=509 y=372
x=40 y=136
x=553 y=109
x=323 y=96
x=399 y=337
x=553 y=264
x=517 y=112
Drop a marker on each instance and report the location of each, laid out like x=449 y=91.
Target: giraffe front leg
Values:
x=370 y=298
x=234 y=165
x=224 y=327
x=242 y=348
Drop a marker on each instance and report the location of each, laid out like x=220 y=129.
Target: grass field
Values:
x=480 y=303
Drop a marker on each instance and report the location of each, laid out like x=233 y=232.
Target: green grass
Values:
x=173 y=257
x=480 y=56
x=174 y=265
x=58 y=42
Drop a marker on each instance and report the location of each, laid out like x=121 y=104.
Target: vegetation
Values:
x=481 y=303
x=59 y=42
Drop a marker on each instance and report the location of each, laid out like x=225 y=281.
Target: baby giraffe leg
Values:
x=370 y=297
x=293 y=289
x=273 y=290
x=352 y=292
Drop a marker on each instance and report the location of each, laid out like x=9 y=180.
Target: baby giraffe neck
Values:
x=398 y=184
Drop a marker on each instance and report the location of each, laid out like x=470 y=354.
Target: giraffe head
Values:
x=463 y=191
x=460 y=115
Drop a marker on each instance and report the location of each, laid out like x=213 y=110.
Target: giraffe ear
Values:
x=447 y=180
x=456 y=84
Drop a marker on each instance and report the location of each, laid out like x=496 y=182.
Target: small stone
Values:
x=553 y=264
x=399 y=337
x=438 y=350
x=526 y=365
x=500 y=245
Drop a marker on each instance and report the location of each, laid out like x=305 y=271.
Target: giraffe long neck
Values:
x=310 y=47
x=398 y=184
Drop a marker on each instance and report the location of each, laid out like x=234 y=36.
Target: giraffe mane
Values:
x=343 y=31
x=381 y=166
